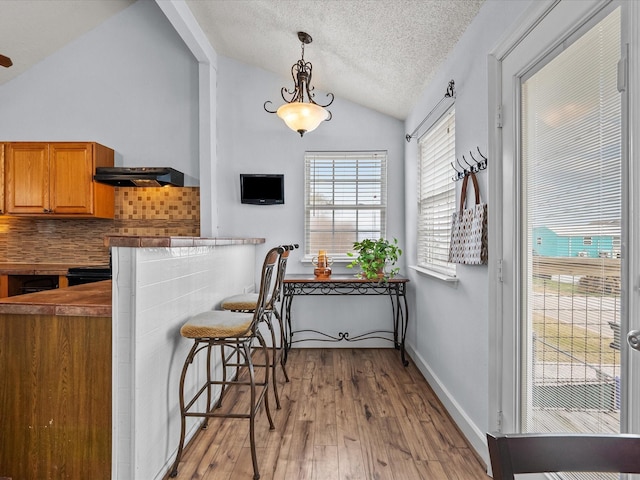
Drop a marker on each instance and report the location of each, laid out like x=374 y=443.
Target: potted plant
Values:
x=374 y=256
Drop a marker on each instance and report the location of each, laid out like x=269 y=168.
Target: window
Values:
x=436 y=195
x=345 y=200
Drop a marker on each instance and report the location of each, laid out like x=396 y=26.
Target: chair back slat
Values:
x=537 y=453
x=282 y=269
x=270 y=261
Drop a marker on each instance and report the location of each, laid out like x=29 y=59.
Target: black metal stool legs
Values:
x=243 y=351
x=183 y=419
x=255 y=403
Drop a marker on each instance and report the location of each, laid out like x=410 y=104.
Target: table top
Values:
x=337 y=278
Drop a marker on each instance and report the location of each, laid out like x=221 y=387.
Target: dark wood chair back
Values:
x=537 y=453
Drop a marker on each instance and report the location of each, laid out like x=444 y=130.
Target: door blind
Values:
x=571 y=211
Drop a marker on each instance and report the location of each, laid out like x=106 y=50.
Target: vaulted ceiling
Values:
x=377 y=53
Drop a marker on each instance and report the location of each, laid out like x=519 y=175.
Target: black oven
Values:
x=81 y=275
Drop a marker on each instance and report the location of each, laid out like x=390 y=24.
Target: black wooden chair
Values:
x=537 y=453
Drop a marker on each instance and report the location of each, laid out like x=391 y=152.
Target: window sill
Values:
x=432 y=273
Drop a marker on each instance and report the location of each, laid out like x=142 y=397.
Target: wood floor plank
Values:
x=284 y=420
x=374 y=449
x=325 y=429
x=347 y=414
x=300 y=464
x=350 y=459
x=325 y=462
x=432 y=470
x=347 y=371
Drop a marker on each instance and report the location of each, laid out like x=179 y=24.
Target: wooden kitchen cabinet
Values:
x=1 y=178
x=56 y=178
x=56 y=380
x=55 y=397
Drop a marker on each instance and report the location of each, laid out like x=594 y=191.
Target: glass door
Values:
x=569 y=235
x=571 y=203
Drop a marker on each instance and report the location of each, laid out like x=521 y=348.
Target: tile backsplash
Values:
x=168 y=211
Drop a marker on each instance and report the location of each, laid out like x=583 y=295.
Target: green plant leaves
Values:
x=374 y=256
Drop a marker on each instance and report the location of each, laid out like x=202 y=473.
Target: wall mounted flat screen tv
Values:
x=258 y=189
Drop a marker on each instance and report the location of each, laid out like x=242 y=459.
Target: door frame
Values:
x=504 y=340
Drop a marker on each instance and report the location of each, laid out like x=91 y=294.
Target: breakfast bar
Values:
x=159 y=283
x=94 y=369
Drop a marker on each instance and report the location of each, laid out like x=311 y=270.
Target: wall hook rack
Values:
x=469 y=168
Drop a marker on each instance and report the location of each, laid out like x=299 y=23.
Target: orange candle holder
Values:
x=322 y=265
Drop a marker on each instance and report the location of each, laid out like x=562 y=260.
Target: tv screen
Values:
x=264 y=189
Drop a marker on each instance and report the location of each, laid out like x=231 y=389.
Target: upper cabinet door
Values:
x=57 y=179
x=27 y=177
x=1 y=177
x=71 y=177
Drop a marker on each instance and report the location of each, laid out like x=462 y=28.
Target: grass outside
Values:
x=545 y=285
x=567 y=343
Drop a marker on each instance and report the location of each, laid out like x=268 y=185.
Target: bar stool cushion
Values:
x=217 y=324
x=241 y=302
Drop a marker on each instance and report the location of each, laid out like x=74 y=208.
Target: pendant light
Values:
x=300 y=114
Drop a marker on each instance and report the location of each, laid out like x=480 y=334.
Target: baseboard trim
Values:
x=475 y=436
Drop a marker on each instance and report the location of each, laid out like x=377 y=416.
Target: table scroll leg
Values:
x=404 y=315
x=400 y=317
x=395 y=306
x=287 y=300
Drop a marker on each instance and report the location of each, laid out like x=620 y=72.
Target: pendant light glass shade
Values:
x=301 y=112
x=302 y=117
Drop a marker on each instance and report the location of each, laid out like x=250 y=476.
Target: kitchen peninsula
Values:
x=158 y=282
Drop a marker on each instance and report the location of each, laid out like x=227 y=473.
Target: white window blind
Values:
x=571 y=190
x=436 y=195
x=345 y=200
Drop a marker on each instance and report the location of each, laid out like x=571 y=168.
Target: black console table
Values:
x=346 y=284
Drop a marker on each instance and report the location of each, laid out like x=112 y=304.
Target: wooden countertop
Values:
x=88 y=300
x=136 y=241
x=34 y=268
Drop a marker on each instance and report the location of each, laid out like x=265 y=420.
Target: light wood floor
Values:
x=346 y=414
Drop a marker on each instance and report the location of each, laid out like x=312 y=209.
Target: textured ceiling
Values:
x=377 y=53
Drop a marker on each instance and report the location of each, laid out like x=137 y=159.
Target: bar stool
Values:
x=235 y=333
x=246 y=302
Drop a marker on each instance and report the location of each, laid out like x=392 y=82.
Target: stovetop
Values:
x=91 y=270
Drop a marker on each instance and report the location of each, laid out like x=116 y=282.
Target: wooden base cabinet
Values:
x=1 y=177
x=56 y=178
x=55 y=397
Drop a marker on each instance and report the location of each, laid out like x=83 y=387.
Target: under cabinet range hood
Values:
x=139 y=176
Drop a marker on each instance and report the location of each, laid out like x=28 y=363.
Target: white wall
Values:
x=449 y=337
x=155 y=291
x=130 y=84
x=251 y=140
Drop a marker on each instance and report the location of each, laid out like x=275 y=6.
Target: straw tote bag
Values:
x=469 y=244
